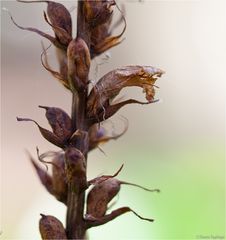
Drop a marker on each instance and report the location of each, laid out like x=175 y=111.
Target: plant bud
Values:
x=75 y=168
x=78 y=64
x=59 y=178
x=51 y=228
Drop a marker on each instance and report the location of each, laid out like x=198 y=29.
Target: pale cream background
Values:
x=185 y=38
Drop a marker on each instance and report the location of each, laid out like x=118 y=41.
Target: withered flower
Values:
x=82 y=131
x=99 y=105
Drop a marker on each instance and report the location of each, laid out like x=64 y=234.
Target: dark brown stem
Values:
x=75 y=227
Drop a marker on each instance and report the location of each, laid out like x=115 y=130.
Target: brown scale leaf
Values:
x=49 y=136
x=51 y=228
x=59 y=121
x=110 y=85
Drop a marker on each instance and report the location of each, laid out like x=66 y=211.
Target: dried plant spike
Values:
x=51 y=228
x=81 y=131
x=49 y=136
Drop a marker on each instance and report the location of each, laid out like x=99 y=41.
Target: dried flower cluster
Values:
x=81 y=132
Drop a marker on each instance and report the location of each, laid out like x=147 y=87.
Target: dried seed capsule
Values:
x=51 y=228
x=78 y=64
x=75 y=168
x=100 y=195
x=59 y=178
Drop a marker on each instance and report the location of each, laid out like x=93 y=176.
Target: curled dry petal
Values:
x=49 y=136
x=94 y=222
x=78 y=64
x=59 y=121
x=51 y=228
x=110 y=85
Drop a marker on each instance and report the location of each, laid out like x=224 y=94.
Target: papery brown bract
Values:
x=51 y=228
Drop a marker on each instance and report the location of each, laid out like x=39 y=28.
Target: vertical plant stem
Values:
x=76 y=199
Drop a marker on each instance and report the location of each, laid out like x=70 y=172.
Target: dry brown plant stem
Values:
x=82 y=132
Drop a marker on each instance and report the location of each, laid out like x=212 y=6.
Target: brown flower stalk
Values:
x=81 y=132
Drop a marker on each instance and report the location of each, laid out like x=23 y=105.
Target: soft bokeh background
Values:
x=176 y=145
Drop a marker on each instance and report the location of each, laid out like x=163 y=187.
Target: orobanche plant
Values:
x=87 y=201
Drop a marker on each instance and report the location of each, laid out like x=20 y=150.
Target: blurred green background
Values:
x=176 y=145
